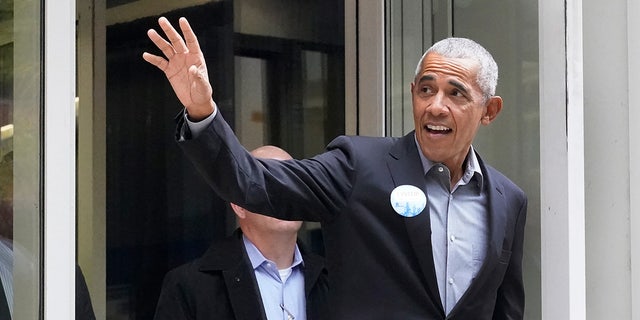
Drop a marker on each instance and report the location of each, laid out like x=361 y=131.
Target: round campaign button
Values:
x=408 y=200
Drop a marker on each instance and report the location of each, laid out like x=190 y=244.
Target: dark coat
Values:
x=380 y=263
x=222 y=285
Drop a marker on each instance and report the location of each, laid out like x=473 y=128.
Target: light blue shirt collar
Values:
x=473 y=166
x=257 y=259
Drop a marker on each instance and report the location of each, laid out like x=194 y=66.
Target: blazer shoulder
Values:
x=498 y=178
x=182 y=276
x=365 y=146
x=221 y=255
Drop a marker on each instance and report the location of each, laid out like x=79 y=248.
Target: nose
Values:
x=438 y=106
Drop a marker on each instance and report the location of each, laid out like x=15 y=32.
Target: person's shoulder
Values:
x=366 y=139
x=183 y=273
x=215 y=257
x=497 y=177
x=366 y=143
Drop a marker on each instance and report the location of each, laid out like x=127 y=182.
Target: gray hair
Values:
x=462 y=48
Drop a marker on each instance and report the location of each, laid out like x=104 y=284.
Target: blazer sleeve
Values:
x=311 y=189
x=510 y=296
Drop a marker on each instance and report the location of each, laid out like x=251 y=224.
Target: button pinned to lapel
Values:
x=408 y=200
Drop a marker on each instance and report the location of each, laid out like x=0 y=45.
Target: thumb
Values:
x=200 y=87
x=201 y=94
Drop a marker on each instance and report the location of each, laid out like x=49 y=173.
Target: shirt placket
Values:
x=451 y=257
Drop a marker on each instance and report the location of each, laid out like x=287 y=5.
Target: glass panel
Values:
x=314 y=101
x=274 y=69
x=251 y=109
x=159 y=212
x=294 y=68
x=410 y=33
x=511 y=143
x=20 y=159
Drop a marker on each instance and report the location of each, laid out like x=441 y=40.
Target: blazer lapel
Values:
x=243 y=294
x=497 y=217
x=313 y=267
x=406 y=169
x=232 y=260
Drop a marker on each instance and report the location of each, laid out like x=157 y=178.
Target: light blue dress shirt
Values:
x=459 y=226
x=283 y=296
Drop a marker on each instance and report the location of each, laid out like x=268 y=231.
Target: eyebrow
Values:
x=454 y=83
x=458 y=85
x=426 y=78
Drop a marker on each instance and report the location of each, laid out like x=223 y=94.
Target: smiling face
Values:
x=448 y=108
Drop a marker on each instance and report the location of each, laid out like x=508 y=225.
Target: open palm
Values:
x=184 y=65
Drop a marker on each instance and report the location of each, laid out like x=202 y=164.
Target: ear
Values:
x=494 y=106
x=239 y=211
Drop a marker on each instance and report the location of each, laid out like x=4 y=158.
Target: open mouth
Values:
x=437 y=129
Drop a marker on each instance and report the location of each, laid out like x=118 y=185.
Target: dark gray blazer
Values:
x=222 y=285
x=380 y=263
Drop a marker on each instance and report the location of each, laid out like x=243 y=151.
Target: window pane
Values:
x=159 y=211
x=512 y=142
x=274 y=65
x=20 y=190
x=250 y=76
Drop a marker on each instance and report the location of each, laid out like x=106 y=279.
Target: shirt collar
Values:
x=257 y=259
x=472 y=169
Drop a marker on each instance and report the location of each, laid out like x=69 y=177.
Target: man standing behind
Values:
x=257 y=273
x=417 y=227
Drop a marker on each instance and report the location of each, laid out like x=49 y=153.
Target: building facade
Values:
x=90 y=175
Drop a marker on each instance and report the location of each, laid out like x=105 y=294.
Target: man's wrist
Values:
x=199 y=113
x=196 y=127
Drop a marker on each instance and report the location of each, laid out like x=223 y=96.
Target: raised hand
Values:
x=184 y=66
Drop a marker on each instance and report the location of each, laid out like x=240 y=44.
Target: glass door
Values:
x=20 y=160
x=278 y=75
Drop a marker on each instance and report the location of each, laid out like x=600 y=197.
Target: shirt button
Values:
x=450 y=280
x=440 y=169
x=453 y=238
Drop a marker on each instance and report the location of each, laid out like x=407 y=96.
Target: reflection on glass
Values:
x=19 y=159
x=314 y=100
x=6 y=176
x=251 y=109
x=276 y=68
x=512 y=142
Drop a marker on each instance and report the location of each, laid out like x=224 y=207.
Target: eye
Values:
x=426 y=89
x=457 y=93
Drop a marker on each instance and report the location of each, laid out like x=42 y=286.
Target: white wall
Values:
x=633 y=25
x=610 y=139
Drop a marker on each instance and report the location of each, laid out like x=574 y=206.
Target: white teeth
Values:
x=437 y=128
